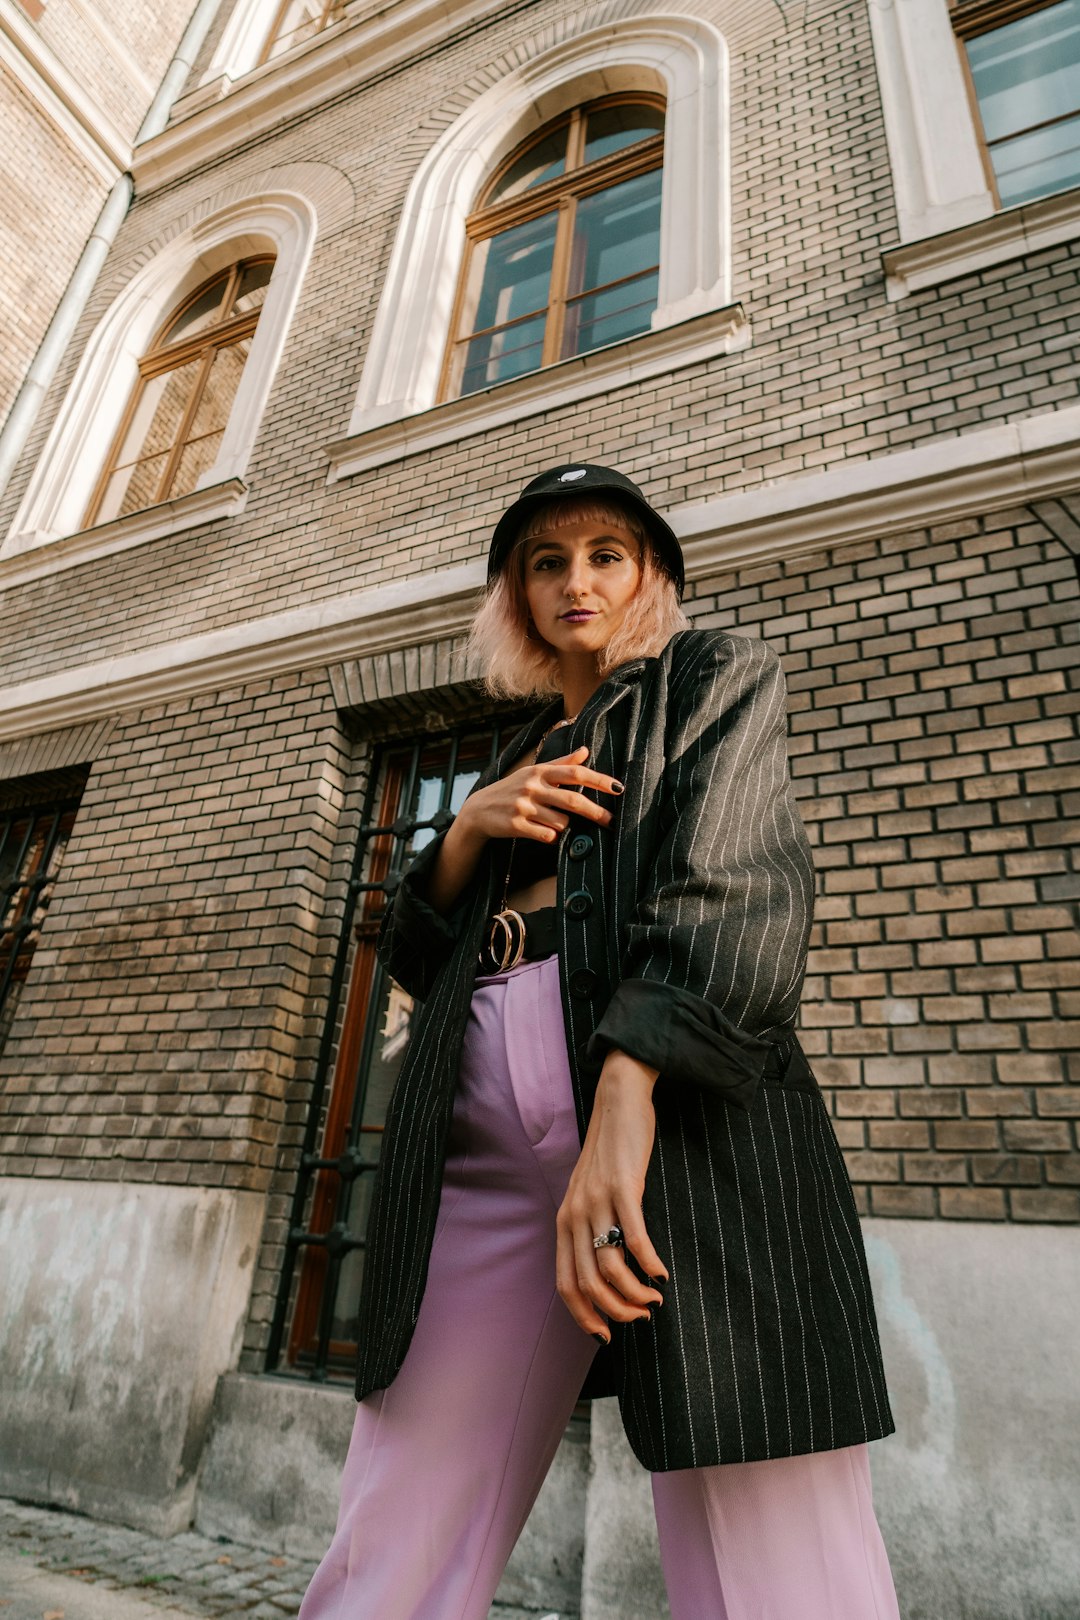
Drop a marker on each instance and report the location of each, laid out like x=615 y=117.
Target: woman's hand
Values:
x=530 y=802
x=606 y=1190
x=536 y=801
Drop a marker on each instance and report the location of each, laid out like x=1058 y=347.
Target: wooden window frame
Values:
x=561 y=195
x=328 y=17
x=162 y=357
x=970 y=19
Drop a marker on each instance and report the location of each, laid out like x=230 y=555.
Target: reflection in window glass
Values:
x=540 y=163
x=298 y=20
x=576 y=266
x=610 y=129
x=510 y=311
x=176 y=420
x=1027 y=79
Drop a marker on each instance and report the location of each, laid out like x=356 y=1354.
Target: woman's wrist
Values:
x=624 y=1077
x=456 y=862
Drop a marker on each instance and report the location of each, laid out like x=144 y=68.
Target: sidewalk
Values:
x=59 y=1566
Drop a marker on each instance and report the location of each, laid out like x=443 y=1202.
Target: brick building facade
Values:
x=857 y=402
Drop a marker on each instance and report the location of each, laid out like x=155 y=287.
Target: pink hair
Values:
x=520 y=664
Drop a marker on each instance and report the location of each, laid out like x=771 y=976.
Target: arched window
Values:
x=177 y=414
x=297 y=20
x=564 y=247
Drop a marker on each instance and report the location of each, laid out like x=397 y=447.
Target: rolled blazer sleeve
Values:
x=715 y=950
x=414 y=940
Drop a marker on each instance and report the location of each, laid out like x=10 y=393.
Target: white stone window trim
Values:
x=567 y=382
x=949 y=220
x=241 y=44
x=69 y=465
x=1026 y=228
x=685 y=60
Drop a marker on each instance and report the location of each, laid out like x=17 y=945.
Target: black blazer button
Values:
x=578 y=904
x=579 y=847
x=582 y=982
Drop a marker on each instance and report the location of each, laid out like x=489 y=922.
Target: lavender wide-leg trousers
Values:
x=445 y=1464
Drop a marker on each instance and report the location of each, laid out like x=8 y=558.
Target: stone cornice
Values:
x=59 y=95
x=985 y=242
x=1012 y=463
x=288 y=86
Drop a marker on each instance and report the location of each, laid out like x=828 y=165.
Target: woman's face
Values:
x=591 y=570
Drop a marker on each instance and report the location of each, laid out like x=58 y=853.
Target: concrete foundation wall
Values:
x=977 y=1493
x=120 y=1308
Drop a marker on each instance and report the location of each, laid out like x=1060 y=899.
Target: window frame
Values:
x=161 y=358
x=561 y=195
x=970 y=20
x=332 y=12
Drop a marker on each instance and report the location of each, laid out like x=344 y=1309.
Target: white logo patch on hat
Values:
x=572 y=477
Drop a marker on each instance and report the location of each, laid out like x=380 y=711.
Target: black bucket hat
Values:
x=580 y=478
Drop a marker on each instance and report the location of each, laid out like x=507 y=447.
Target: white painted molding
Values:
x=283 y=223
x=617 y=365
x=938 y=176
x=685 y=60
x=1020 y=462
x=59 y=96
x=339 y=60
x=190 y=511
x=1013 y=463
x=1008 y=235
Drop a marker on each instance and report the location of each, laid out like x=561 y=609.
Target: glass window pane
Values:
x=1034 y=165
x=609 y=129
x=156 y=420
x=616 y=233
x=197 y=457
x=251 y=292
x=301 y=20
x=515 y=272
x=219 y=390
x=205 y=311
x=132 y=488
x=509 y=352
x=541 y=162
x=1029 y=71
x=609 y=316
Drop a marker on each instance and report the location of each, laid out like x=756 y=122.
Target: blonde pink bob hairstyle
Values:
x=519 y=663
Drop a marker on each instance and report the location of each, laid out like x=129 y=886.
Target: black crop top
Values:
x=533 y=858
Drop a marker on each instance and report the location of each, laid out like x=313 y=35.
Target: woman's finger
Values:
x=612 y=1265
x=594 y=1285
x=581 y=1308
x=638 y=1241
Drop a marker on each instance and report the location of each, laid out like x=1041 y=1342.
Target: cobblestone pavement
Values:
x=60 y=1566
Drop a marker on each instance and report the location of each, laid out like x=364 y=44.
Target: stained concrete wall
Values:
x=272 y=1470
x=977 y=1493
x=120 y=1307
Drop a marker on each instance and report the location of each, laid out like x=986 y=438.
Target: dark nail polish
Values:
x=617 y=787
x=599 y=1337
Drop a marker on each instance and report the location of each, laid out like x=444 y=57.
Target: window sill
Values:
x=654 y=354
x=30 y=556
x=985 y=242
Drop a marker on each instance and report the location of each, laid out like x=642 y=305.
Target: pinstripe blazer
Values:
x=684 y=927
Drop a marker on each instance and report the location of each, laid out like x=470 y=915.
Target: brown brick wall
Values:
x=52 y=195
x=175 y=994
x=933 y=718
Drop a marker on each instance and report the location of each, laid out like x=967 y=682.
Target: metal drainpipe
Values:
x=46 y=362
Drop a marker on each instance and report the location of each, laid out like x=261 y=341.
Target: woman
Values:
x=607 y=1162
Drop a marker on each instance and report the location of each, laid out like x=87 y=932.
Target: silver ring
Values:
x=612 y=1239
